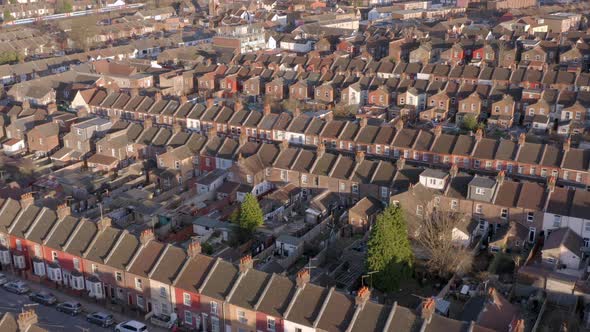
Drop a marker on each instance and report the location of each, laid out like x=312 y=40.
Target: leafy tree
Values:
x=389 y=252
x=249 y=216
x=469 y=122
x=9 y=57
x=7 y=16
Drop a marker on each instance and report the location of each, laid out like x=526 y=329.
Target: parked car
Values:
x=3 y=279
x=17 y=287
x=43 y=297
x=100 y=318
x=131 y=326
x=72 y=308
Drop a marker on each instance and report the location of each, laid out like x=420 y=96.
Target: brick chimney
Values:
x=302 y=278
x=177 y=128
x=51 y=108
x=238 y=105
x=359 y=156
x=521 y=139
x=210 y=102
x=194 y=249
x=104 y=223
x=454 y=170
x=551 y=184
x=26 y=200
x=284 y=144
x=567 y=144
x=158 y=96
x=243 y=138
x=147 y=236
x=246 y=263
x=297 y=112
x=148 y=122
x=500 y=177
x=267 y=109
x=134 y=92
x=212 y=131
x=437 y=130
x=399 y=124
x=478 y=135
x=427 y=309
x=401 y=162
x=183 y=99
x=26 y=319
x=63 y=210
x=321 y=149
x=363 y=295
x=363 y=122
x=26 y=104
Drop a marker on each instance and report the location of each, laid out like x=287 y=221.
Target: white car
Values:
x=131 y=326
x=3 y=279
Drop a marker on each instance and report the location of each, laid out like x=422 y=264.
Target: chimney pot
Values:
x=147 y=236
x=194 y=249
x=362 y=296
x=428 y=309
x=26 y=200
x=104 y=223
x=246 y=263
x=303 y=277
x=63 y=211
x=26 y=319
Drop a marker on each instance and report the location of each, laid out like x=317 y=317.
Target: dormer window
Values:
x=480 y=191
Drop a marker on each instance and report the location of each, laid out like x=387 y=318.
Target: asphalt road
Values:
x=49 y=318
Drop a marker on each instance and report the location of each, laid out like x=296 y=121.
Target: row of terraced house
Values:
x=97 y=260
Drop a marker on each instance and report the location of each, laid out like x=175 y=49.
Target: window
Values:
x=37 y=251
x=530 y=216
x=544 y=172
x=19 y=245
x=213 y=307
x=138 y=284
x=76 y=264
x=342 y=186
x=284 y=175
x=504 y=214
x=140 y=302
x=436 y=201
x=119 y=276
x=304 y=178
x=480 y=191
x=186 y=297
x=419 y=210
x=557 y=221
x=94 y=268
x=454 y=204
x=384 y=192
x=163 y=291
x=587 y=226
x=533 y=171
x=478 y=208
x=270 y=324
x=242 y=317
x=188 y=317
x=54 y=256
x=355 y=188
x=249 y=178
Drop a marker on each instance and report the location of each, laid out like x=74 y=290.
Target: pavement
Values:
x=52 y=320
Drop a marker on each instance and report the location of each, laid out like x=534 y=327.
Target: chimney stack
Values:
x=359 y=156
x=212 y=131
x=210 y=102
x=321 y=149
x=500 y=177
x=303 y=278
x=26 y=104
x=399 y=124
x=551 y=184
x=297 y=112
x=134 y=92
x=63 y=210
x=243 y=138
x=147 y=236
x=177 y=128
x=478 y=135
x=26 y=200
x=51 y=108
x=401 y=163
x=104 y=223
x=363 y=295
x=428 y=309
x=158 y=96
x=437 y=130
x=521 y=139
x=454 y=170
x=363 y=122
x=26 y=319
x=148 y=122
x=267 y=109
x=183 y=99
x=238 y=105
x=194 y=249
x=284 y=144
x=246 y=263
x=567 y=144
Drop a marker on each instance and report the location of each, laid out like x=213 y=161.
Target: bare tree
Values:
x=83 y=31
x=445 y=255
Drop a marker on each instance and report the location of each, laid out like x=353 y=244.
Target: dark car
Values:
x=43 y=298
x=100 y=318
x=72 y=308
